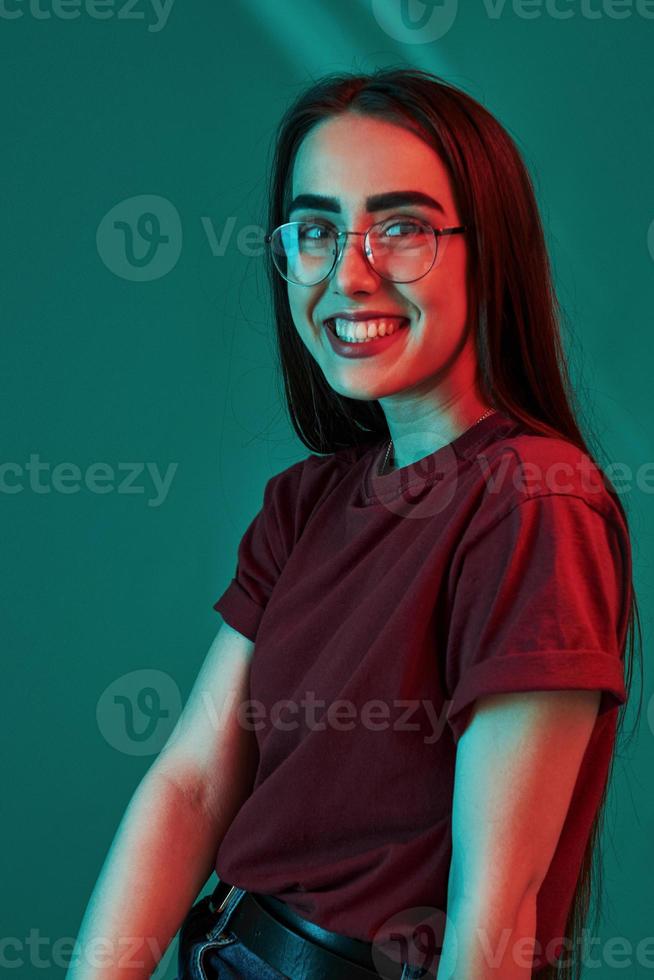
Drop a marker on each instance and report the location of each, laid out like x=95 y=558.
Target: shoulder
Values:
x=524 y=467
x=299 y=489
x=316 y=470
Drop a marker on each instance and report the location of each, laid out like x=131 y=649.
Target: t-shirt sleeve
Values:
x=262 y=554
x=539 y=603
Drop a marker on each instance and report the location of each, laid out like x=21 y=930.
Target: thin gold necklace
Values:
x=390 y=444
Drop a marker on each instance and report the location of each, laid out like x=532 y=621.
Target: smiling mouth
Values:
x=331 y=326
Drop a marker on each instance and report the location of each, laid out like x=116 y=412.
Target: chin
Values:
x=358 y=392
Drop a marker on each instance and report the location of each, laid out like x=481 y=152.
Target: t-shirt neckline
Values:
x=428 y=470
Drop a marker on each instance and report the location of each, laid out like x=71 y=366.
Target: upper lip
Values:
x=363 y=315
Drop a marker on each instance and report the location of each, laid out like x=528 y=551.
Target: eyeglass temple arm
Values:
x=451 y=231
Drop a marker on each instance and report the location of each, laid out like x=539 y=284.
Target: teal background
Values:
x=180 y=370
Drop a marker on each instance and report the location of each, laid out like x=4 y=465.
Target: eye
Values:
x=315 y=231
x=407 y=228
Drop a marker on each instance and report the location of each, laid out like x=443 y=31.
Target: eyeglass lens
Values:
x=399 y=250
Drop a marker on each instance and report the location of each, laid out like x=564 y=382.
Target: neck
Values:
x=393 y=460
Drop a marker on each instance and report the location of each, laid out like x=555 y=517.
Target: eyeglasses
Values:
x=306 y=252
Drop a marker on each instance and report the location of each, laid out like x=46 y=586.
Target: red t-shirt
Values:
x=498 y=563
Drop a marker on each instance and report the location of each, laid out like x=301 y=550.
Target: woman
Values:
x=440 y=592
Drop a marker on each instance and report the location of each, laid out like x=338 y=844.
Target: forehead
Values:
x=351 y=157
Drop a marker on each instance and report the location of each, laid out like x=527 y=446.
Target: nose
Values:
x=352 y=270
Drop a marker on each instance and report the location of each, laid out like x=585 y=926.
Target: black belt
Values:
x=299 y=948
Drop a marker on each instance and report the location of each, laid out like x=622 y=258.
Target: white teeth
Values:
x=362 y=331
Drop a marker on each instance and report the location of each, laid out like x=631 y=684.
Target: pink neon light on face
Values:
x=349 y=158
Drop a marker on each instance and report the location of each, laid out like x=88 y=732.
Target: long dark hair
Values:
x=522 y=369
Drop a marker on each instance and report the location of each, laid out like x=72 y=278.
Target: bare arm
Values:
x=516 y=768
x=165 y=845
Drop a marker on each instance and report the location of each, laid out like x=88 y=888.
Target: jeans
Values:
x=208 y=950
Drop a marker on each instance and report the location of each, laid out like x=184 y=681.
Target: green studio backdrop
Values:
x=141 y=412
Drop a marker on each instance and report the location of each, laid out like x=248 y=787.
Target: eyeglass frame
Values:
x=342 y=234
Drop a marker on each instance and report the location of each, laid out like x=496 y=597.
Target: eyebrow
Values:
x=377 y=202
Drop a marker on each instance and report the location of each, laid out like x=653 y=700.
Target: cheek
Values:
x=444 y=297
x=301 y=305
x=304 y=320
x=442 y=320
x=294 y=304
